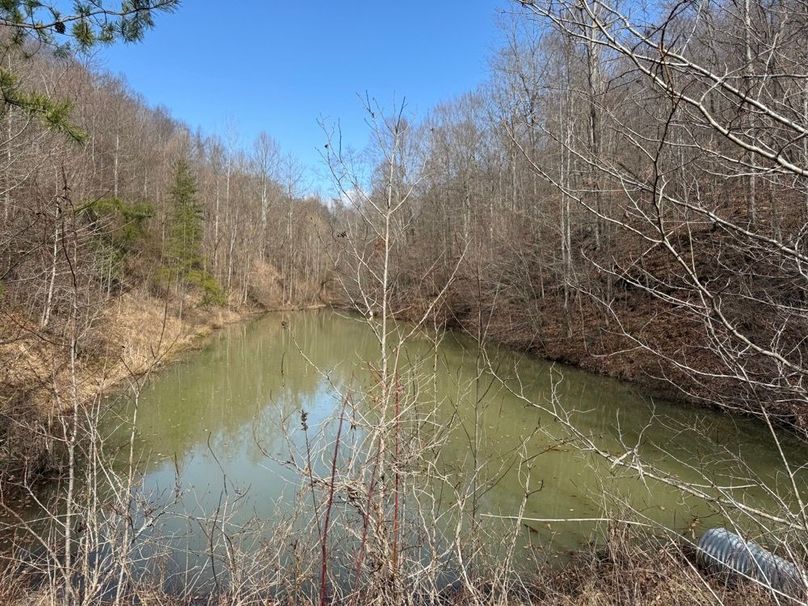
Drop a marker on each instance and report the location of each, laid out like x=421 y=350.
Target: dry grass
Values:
x=141 y=333
x=661 y=576
x=266 y=285
x=642 y=572
x=132 y=335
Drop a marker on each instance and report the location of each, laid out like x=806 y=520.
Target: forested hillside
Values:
x=627 y=192
x=110 y=197
x=124 y=233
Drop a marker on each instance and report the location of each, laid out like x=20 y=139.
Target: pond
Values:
x=221 y=432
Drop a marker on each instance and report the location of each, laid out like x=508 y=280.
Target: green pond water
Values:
x=222 y=424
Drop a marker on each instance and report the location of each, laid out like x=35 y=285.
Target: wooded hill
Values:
x=628 y=193
x=122 y=234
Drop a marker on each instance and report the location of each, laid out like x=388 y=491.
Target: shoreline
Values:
x=133 y=337
x=620 y=364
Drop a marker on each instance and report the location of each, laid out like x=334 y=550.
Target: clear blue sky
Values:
x=279 y=66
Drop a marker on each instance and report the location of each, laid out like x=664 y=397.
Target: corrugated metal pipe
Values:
x=720 y=550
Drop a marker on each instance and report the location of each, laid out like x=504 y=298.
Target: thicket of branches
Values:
x=628 y=193
x=626 y=183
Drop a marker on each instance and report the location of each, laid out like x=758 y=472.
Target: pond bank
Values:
x=129 y=338
x=586 y=339
x=219 y=399
x=620 y=575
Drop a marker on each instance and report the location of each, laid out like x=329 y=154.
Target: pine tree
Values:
x=184 y=250
x=90 y=22
x=185 y=239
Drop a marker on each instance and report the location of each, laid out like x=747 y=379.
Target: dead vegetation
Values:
x=640 y=572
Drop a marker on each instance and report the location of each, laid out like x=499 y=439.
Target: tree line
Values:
x=142 y=201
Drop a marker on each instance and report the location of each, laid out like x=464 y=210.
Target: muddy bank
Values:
x=628 y=571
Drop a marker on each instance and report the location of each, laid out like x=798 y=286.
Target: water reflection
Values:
x=225 y=420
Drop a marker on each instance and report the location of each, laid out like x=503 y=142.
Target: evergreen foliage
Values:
x=120 y=232
x=53 y=113
x=87 y=24
x=212 y=292
x=185 y=240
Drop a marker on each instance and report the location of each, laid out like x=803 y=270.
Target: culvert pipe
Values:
x=720 y=550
